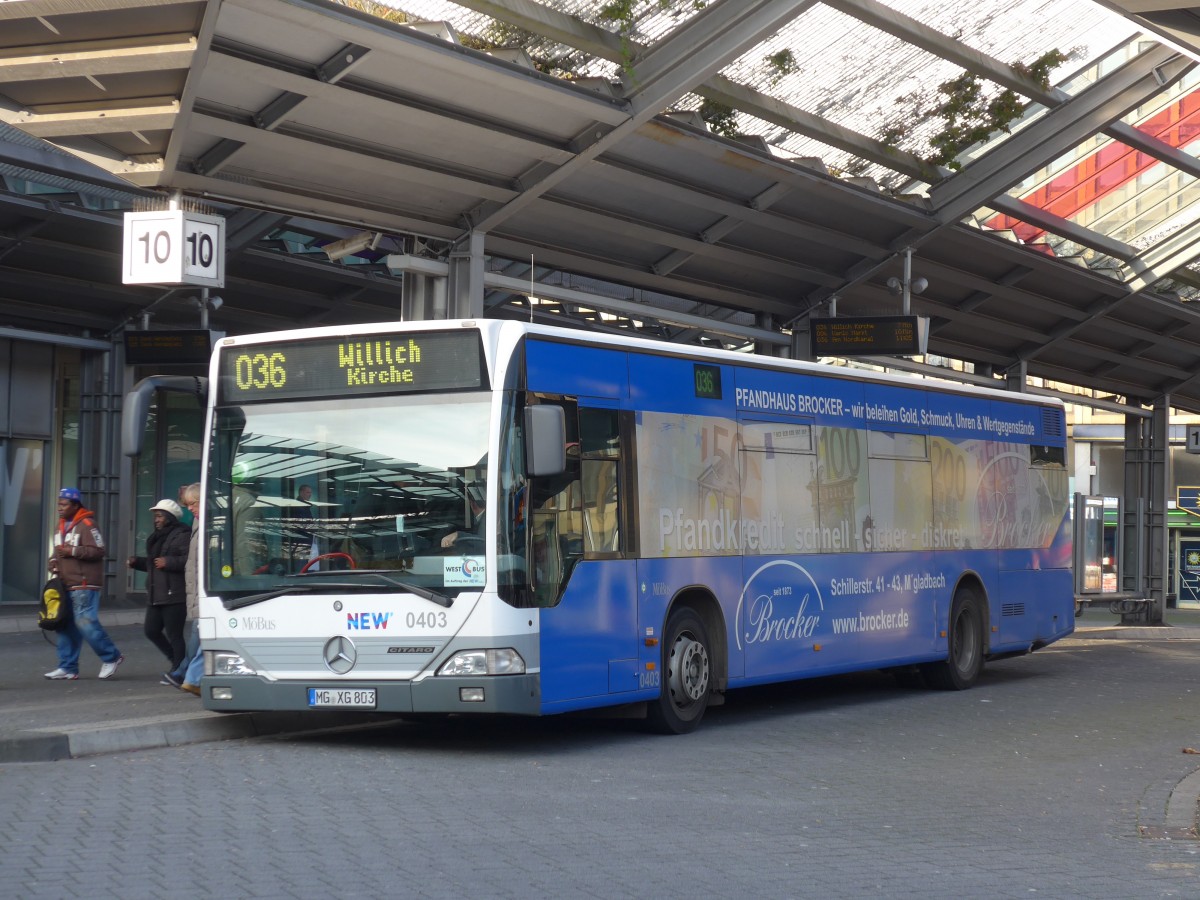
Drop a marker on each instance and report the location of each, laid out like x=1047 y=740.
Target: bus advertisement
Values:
x=495 y=517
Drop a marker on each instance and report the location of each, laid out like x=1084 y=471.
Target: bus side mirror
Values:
x=137 y=405
x=545 y=440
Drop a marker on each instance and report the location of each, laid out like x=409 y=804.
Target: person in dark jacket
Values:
x=165 y=565
x=79 y=561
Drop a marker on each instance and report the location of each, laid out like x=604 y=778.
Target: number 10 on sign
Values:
x=174 y=247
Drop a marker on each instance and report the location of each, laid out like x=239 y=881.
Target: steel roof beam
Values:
x=591 y=266
x=191 y=85
x=47 y=9
x=372 y=102
x=336 y=207
x=722 y=90
x=517 y=302
x=552 y=24
x=701 y=46
x=96 y=59
x=350 y=157
x=669 y=69
x=1152 y=146
x=108 y=117
x=593 y=220
x=246 y=227
x=378 y=166
x=61 y=165
x=1094 y=314
x=913 y=366
x=1075 y=320
x=634 y=309
x=342 y=63
x=1035 y=215
x=1172 y=252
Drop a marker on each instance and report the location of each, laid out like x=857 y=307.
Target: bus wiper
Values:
x=423 y=592
x=251 y=599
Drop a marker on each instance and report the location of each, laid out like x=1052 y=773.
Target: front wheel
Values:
x=965 y=635
x=687 y=675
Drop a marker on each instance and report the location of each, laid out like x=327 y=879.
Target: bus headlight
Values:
x=504 y=661
x=231 y=664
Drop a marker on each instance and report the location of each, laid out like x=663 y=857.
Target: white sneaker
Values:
x=61 y=674
x=108 y=670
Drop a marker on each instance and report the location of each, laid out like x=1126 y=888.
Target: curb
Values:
x=1139 y=633
x=26 y=623
x=75 y=741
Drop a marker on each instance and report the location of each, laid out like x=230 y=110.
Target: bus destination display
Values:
x=352 y=366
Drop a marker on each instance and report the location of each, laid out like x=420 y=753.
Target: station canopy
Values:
x=713 y=173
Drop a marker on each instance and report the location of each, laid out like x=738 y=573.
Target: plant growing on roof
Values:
x=622 y=14
x=970 y=115
x=374 y=8
x=721 y=119
x=780 y=65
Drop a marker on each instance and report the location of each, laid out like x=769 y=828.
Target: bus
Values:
x=459 y=517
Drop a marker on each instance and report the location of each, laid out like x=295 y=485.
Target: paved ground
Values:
x=44 y=720
x=1063 y=774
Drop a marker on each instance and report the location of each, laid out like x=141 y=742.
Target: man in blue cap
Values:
x=79 y=560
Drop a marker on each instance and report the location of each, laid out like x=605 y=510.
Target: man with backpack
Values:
x=78 y=559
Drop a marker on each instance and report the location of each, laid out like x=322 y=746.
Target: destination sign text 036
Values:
x=393 y=363
x=869 y=336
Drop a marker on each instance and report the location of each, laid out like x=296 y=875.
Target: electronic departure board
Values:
x=869 y=336
x=396 y=363
x=181 y=347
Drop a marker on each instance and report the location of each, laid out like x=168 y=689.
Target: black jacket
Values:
x=169 y=585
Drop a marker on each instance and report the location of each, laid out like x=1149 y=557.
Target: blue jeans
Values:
x=192 y=648
x=195 y=669
x=85 y=626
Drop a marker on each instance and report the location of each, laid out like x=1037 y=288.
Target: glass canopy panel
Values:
x=1113 y=189
x=835 y=66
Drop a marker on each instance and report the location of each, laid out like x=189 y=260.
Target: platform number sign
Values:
x=174 y=247
x=1193 y=438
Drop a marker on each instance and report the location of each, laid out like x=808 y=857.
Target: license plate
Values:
x=360 y=698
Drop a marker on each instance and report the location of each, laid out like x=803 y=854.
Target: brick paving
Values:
x=1053 y=777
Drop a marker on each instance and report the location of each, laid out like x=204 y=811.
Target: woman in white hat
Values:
x=165 y=565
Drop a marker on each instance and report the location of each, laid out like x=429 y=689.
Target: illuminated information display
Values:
x=190 y=346
x=869 y=336
x=352 y=366
x=708 y=381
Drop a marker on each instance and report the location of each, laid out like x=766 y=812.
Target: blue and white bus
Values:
x=495 y=517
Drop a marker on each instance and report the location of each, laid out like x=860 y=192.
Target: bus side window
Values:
x=600 y=452
x=555 y=521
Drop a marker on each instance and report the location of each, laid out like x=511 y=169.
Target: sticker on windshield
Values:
x=463 y=571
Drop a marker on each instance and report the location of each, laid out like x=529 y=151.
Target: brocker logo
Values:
x=777 y=604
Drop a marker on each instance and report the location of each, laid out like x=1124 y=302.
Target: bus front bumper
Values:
x=509 y=694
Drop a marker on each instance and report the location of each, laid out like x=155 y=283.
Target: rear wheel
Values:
x=686 y=673
x=965 y=636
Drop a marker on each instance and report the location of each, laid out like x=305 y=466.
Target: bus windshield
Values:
x=377 y=491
